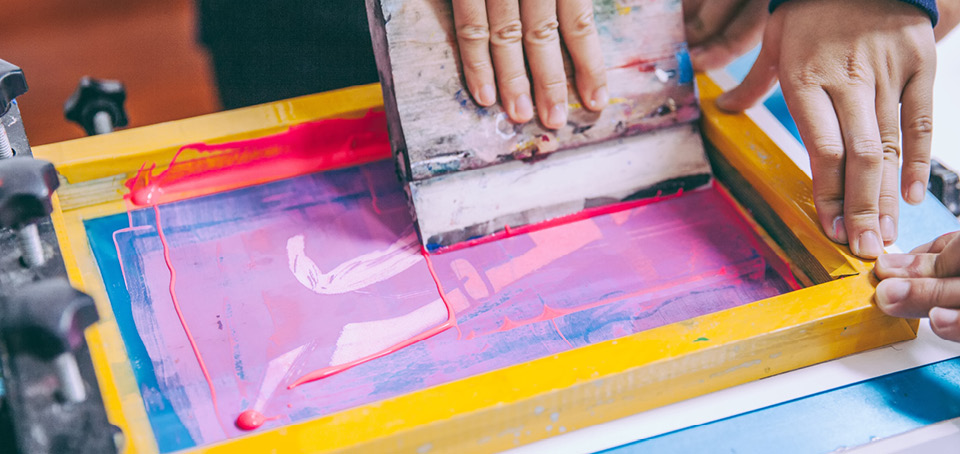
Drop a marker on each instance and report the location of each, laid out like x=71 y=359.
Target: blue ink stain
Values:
x=684 y=67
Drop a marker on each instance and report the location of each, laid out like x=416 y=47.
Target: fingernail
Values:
x=839 y=230
x=895 y=261
x=721 y=101
x=557 y=116
x=944 y=319
x=696 y=52
x=917 y=192
x=891 y=292
x=487 y=95
x=600 y=98
x=524 y=107
x=888 y=229
x=868 y=245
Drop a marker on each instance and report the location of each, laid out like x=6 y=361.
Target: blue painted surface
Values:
x=844 y=417
x=169 y=431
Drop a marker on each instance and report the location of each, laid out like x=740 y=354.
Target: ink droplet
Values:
x=250 y=420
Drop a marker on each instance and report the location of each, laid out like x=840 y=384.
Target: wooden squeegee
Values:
x=470 y=172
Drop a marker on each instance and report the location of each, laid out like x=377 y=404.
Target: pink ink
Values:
x=778 y=264
x=303 y=149
x=450 y=323
x=230 y=167
x=551 y=244
x=508 y=231
x=644 y=64
x=554 y=321
x=252 y=420
x=551 y=313
x=372 y=189
x=183 y=321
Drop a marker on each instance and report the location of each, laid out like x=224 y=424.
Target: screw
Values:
x=102 y=122
x=72 y=387
x=31 y=247
x=6 y=151
x=46 y=319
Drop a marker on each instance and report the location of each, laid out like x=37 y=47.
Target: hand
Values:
x=720 y=31
x=845 y=67
x=494 y=35
x=925 y=282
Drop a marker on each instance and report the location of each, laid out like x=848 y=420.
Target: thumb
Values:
x=762 y=76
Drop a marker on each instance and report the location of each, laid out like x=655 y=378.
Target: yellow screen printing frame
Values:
x=511 y=406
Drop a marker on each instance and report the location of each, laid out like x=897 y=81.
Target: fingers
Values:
x=914 y=298
x=917 y=123
x=736 y=37
x=946 y=323
x=709 y=19
x=473 y=37
x=820 y=129
x=888 y=107
x=855 y=107
x=581 y=40
x=944 y=264
x=542 y=44
x=506 y=46
x=936 y=245
x=925 y=284
x=760 y=79
x=905 y=266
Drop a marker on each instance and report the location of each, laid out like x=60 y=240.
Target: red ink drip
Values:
x=554 y=321
x=645 y=64
x=304 y=148
x=373 y=190
x=183 y=321
x=588 y=213
x=450 y=323
x=252 y=419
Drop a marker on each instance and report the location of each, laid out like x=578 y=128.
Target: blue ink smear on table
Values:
x=169 y=431
x=845 y=417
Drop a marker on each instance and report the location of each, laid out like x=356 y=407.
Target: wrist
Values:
x=927 y=6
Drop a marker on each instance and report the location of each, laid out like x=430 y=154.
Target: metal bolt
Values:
x=31 y=247
x=46 y=319
x=72 y=387
x=6 y=151
x=102 y=122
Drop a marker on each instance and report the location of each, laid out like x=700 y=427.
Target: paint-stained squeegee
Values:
x=471 y=173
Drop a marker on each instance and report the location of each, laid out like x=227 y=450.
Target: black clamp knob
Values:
x=94 y=96
x=26 y=188
x=945 y=186
x=12 y=84
x=46 y=319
